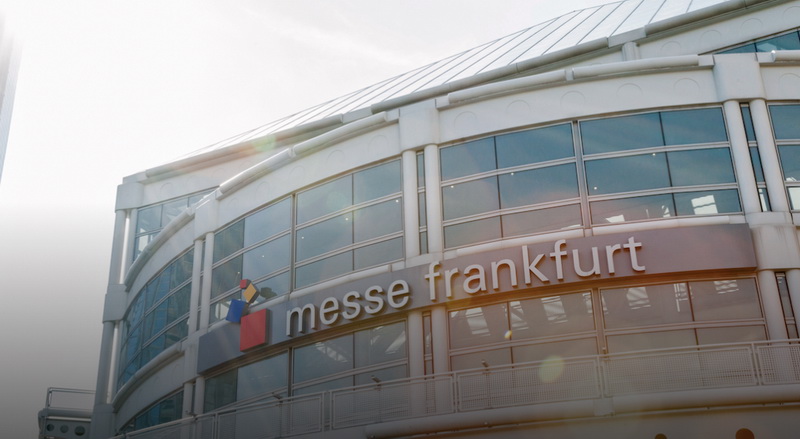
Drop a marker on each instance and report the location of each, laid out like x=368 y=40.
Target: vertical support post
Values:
x=410 y=207
x=793 y=282
x=773 y=311
x=194 y=298
x=433 y=199
x=748 y=190
x=205 y=289
x=769 y=156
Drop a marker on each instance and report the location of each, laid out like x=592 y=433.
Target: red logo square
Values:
x=253 y=330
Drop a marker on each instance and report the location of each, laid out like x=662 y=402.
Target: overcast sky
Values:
x=108 y=88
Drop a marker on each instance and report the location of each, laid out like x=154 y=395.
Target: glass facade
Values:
x=632 y=318
x=785 y=123
x=787 y=41
x=151 y=219
x=157 y=317
x=166 y=410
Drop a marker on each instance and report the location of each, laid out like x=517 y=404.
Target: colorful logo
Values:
x=253 y=326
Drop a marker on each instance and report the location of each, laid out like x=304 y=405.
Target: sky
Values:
x=109 y=88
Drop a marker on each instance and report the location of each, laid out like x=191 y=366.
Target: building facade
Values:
x=598 y=235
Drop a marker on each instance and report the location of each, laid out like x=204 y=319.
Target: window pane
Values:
x=725 y=300
x=748 y=124
x=758 y=170
x=148 y=219
x=420 y=170
x=543 y=220
x=324 y=269
x=538 y=186
x=323 y=358
x=686 y=127
x=562 y=349
x=380 y=344
x=701 y=166
x=379 y=253
x=178 y=303
x=182 y=269
x=171 y=210
x=794 y=197
x=555 y=315
x=423 y=217
x=378 y=220
x=376 y=182
x=220 y=391
x=325 y=199
x=534 y=146
x=643 y=306
x=263 y=376
x=161 y=283
x=226 y=276
x=274 y=286
x=623 y=174
x=229 y=240
x=267 y=258
x=651 y=340
x=785 y=121
x=495 y=357
x=478 y=326
x=707 y=203
x=790 y=162
x=331 y=234
x=470 y=198
x=467 y=159
x=632 y=209
x=474 y=231
x=621 y=133
x=731 y=335
x=789 y=41
x=783 y=291
x=267 y=222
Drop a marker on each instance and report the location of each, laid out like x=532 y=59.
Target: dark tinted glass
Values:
x=325 y=236
x=725 y=299
x=229 y=240
x=632 y=209
x=470 y=198
x=790 y=162
x=263 y=376
x=789 y=41
x=707 y=202
x=267 y=258
x=267 y=222
x=423 y=217
x=220 y=390
x=323 y=358
x=543 y=220
x=379 y=253
x=322 y=200
x=380 y=344
x=701 y=166
x=534 y=146
x=623 y=174
x=378 y=220
x=226 y=276
x=686 y=127
x=376 y=182
x=786 y=121
x=643 y=306
x=472 y=232
x=538 y=186
x=478 y=326
x=758 y=170
x=182 y=269
x=748 y=124
x=420 y=170
x=621 y=133
x=468 y=158
x=274 y=286
x=323 y=269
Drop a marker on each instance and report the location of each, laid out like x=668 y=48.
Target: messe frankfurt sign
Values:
x=503 y=272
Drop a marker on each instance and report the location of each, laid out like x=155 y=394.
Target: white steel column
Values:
x=793 y=282
x=440 y=340
x=199 y=394
x=770 y=162
x=741 y=157
x=410 y=204
x=433 y=199
x=205 y=289
x=773 y=311
x=416 y=345
x=194 y=298
x=188 y=393
x=115 y=272
x=130 y=238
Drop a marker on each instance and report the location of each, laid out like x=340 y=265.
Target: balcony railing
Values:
x=522 y=384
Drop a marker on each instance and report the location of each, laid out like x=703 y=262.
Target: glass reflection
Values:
x=467 y=159
x=538 y=186
x=632 y=209
x=534 y=146
x=625 y=174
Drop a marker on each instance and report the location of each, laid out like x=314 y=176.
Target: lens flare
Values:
x=552 y=367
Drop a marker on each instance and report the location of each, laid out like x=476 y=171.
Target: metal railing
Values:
x=554 y=380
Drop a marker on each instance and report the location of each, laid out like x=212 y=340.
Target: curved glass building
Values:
x=588 y=227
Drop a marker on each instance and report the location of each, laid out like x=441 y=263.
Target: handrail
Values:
x=561 y=382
